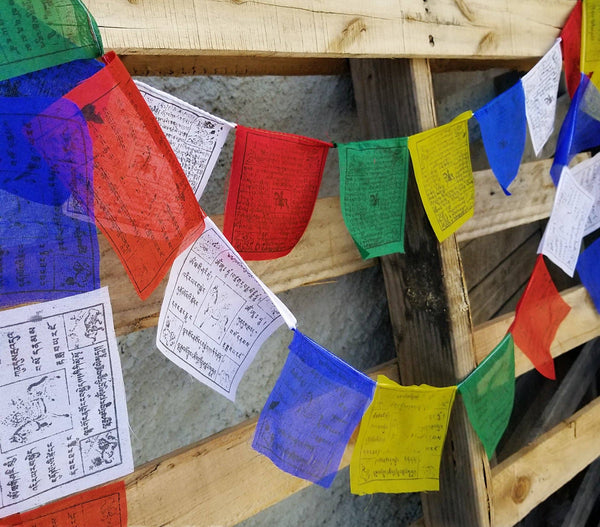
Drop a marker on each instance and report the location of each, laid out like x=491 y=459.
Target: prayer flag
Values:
x=541 y=90
x=571 y=48
x=442 y=165
x=539 y=313
x=312 y=411
x=373 y=180
x=216 y=313
x=489 y=394
x=400 y=441
x=590 y=39
x=275 y=179
x=143 y=204
x=37 y=34
x=588 y=268
x=587 y=174
x=504 y=129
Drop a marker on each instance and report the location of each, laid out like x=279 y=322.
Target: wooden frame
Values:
x=222 y=480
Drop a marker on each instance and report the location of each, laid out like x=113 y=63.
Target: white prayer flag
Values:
x=587 y=174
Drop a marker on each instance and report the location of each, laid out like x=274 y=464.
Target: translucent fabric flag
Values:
x=37 y=34
x=541 y=90
x=196 y=136
x=401 y=437
x=587 y=174
x=571 y=48
x=581 y=128
x=50 y=82
x=105 y=506
x=312 y=411
x=144 y=204
x=216 y=313
x=47 y=155
x=442 y=165
x=489 y=394
x=562 y=237
x=539 y=313
x=588 y=268
x=590 y=39
x=373 y=180
x=275 y=179
x=504 y=130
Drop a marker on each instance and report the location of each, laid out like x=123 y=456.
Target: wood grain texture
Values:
x=528 y=477
x=581 y=325
x=219 y=481
x=503 y=29
x=325 y=251
x=426 y=293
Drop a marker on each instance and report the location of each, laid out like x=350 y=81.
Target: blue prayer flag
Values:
x=588 y=267
x=503 y=126
x=312 y=411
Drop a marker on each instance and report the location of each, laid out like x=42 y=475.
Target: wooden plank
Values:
x=427 y=296
x=586 y=497
x=325 y=251
x=581 y=325
x=531 y=199
x=499 y=29
x=219 y=481
x=527 y=478
x=239 y=66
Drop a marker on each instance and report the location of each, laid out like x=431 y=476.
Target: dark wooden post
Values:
x=426 y=292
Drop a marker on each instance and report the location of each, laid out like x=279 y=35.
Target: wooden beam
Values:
x=528 y=477
x=426 y=293
x=219 y=481
x=485 y=29
x=325 y=251
x=581 y=325
x=586 y=497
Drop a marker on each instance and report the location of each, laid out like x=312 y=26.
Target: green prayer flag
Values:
x=373 y=179
x=489 y=393
x=38 y=34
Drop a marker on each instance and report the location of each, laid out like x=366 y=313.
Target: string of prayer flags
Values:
x=105 y=506
x=63 y=417
x=401 y=437
x=489 y=394
x=37 y=34
x=50 y=82
x=442 y=165
x=590 y=40
x=47 y=156
x=504 y=130
x=312 y=411
x=541 y=90
x=196 y=136
x=561 y=241
x=373 y=181
x=538 y=315
x=275 y=179
x=588 y=268
x=135 y=168
x=570 y=36
x=216 y=313
x=587 y=174
x=581 y=128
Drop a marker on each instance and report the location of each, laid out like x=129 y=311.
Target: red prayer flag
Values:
x=143 y=202
x=275 y=179
x=539 y=313
x=571 y=48
x=105 y=506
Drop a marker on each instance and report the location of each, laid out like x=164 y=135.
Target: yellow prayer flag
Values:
x=400 y=440
x=442 y=164
x=590 y=39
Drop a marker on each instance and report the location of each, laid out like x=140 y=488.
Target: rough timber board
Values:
x=502 y=29
x=528 y=477
x=220 y=481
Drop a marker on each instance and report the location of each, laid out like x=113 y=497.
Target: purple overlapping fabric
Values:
x=588 y=267
x=503 y=124
x=46 y=155
x=312 y=411
x=580 y=129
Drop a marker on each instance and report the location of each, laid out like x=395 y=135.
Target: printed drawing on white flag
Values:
x=216 y=313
